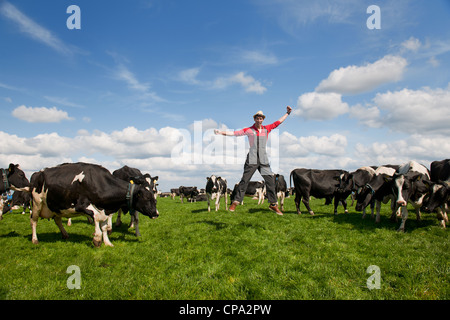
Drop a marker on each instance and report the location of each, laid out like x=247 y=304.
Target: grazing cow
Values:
x=321 y=184
x=13 y=178
x=188 y=192
x=133 y=175
x=216 y=187
x=378 y=190
x=439 y=187
x=358 y=179
x=409 y=187
x=21 y=199
x=280 y=189
x=73 y=189
x=255 y=189
x=174 y=192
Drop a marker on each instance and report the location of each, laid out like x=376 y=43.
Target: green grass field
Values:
x=188 y=253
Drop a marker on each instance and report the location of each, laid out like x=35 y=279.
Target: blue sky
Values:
x=129 y=85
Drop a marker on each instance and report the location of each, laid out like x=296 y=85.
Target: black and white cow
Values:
x=13 y=178
x=321 y=184
x=188 y=192
x=409 y=186
x=216 y=187
x=439 y=186
x=74 y=189
x=20 y=199
x=255 y=189
x=134 y=175
x=280 y=189
x=378 y=190
x=358 y=179
x=174 y=192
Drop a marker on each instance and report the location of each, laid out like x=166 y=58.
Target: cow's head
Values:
x=345 y=182
x=407 y=186
x=14 y=178
x=212 y=184
x=145 y=202
x=367 y=192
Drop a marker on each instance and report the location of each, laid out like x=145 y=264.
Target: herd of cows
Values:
x=73 y=189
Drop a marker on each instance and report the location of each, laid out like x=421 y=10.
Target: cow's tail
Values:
x=290 y=179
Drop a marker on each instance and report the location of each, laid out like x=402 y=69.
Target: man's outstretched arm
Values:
x=288 y=111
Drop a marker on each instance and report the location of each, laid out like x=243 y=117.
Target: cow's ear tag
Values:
x=131 y=181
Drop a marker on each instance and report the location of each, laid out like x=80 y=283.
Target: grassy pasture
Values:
x=188 y=253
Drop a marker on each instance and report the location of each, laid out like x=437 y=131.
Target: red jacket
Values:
x=250 y=132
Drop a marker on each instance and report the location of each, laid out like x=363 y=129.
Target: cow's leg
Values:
x=58 y=221
x=104 y=227
x=98 y=233
x=336 y=204
x=136 y=223
x=417 y=209
x=404 y=218
x=298 y=198
x=344 y=204
x=226 y=200
x=305 y=201
x=118 y=220
x=69 y=222
x=217 y=201
x=33 y=223
x=34 y=217
x=208 y=195
x=441 y=215
x=282 y=200
x=378 y=219
x=109 y=227
x=372 y=206
x=395 y=210
x=101 y=226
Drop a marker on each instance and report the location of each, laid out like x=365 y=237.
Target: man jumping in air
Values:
x=257 y=158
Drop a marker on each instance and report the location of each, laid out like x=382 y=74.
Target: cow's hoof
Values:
x=97 y=243
x=35 y=241
x=311 y=213
x=65 y=236
x=401 y=230
x=109 y=231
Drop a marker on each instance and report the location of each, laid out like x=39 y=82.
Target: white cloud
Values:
x=412 y=44
x=63 y=102
x=334 y=145
x=421 y=148
x=249 y=83
x=189 y=76
x=246 y=81
x=369 y=116
x=33 y=29
x=258 y=57
x=358 y=79
x=320 y=106
x=142 y=88
x=416 y=111
x=126 y=75
x=40 y=115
